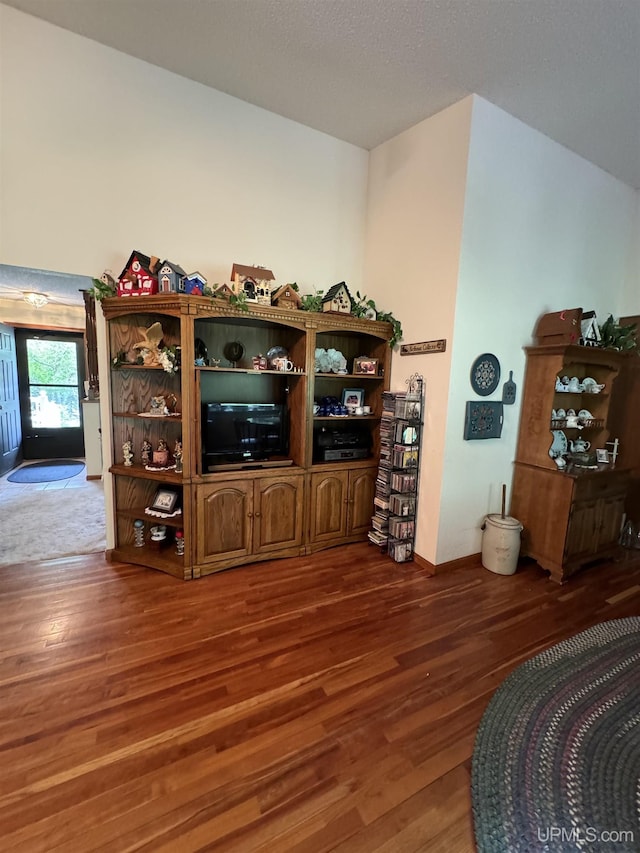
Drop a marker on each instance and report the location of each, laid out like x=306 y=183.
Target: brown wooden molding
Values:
x=439 y=569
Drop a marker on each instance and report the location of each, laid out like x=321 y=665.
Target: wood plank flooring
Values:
x=311 y=704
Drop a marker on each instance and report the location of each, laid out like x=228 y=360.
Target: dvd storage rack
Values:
x=395 y=502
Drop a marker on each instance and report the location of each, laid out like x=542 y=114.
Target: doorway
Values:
x=51 y=381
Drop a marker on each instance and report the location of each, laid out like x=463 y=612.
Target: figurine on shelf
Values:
x=161 y=455
x=177 y=456
x=127 y=452
x=149 y=346
x=158 y=407
x=147 y=449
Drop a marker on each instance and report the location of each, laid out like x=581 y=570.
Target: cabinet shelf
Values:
x=165 y=560
x=176 y=521
x=250 y=370
x=176 y=418
x=346 y=417
x=366 y=376
x=584 y=394
x=125 y=366
x=592 y=423
x=142 y=473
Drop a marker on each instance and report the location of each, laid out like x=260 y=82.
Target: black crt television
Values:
x=243 y=432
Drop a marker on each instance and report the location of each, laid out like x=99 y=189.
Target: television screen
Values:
x=238 y=432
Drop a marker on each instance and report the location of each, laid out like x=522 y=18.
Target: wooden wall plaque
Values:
x=424 y=347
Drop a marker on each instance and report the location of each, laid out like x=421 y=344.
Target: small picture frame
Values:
x=366 y=366
x=353 y=396
x=165 y=500
x=602 y=455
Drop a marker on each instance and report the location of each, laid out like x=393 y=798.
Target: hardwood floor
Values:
x=311 y=704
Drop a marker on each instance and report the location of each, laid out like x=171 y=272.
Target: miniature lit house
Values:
x=223 y=292
x=253 y=281
x=109 y=280
x=286 y=297
x=337 y=299
x=170 y=278
x=194 y=284
x=139 y=278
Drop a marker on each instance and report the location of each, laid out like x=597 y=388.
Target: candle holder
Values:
x=138 y=533
x=180 y=543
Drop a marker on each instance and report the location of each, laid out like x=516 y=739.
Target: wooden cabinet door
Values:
x=582 y=530
x=610 y=513
x=224 y=521
x=362 y=489
x=329 y=505
x=278 y=512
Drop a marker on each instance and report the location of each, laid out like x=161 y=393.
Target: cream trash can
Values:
x=501 y=543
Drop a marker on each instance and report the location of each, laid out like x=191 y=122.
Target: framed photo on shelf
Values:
x=366 y=366
x=353 y=396
x=602 y=455
x=165 y=500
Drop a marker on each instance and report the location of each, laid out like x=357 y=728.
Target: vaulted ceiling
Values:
x=364 y=70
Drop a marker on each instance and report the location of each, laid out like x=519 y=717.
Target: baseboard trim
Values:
x=441 y=568
x=93 y=477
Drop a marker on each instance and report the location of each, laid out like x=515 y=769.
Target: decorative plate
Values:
x=233 y=351
x=485 y=374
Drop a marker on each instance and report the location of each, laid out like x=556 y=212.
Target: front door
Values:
x=51 y=375
x=10 y=433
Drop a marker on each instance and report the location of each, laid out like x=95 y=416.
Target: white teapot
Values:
x=579 y=445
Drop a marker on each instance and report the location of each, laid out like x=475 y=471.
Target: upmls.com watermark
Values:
x=589 y=835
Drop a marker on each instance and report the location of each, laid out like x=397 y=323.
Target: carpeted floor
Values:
x=556 y=763
x=47 y=471
x=49 y=521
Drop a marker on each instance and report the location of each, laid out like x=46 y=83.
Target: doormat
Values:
x=46 y=472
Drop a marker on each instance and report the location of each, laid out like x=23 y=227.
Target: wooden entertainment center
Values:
x=242 y=512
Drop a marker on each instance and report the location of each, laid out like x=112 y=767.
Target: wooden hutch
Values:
x=571 y=516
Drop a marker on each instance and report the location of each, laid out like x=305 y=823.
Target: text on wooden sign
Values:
x=424 y=347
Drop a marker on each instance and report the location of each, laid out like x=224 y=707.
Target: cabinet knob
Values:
x=257 y=515
x=249 y=515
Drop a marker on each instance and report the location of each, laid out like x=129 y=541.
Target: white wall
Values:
x=543 y=230
x=476 y=226
x=630 y=305
x=414 y=228
x=102 y=154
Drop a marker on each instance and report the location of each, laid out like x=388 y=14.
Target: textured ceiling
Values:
x=364 y=70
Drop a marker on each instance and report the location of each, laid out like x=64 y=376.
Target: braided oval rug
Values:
x=556 y=762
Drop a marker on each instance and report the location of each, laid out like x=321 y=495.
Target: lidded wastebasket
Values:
x=501 y=543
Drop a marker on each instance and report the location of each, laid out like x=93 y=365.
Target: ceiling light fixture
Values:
x=37 y=300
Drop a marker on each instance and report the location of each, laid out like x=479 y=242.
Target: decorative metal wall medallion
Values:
x=485 y=374
x=483 y=419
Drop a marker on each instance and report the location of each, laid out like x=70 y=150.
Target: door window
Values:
x=52 y=368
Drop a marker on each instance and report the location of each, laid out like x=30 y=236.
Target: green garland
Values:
x=101 y=290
